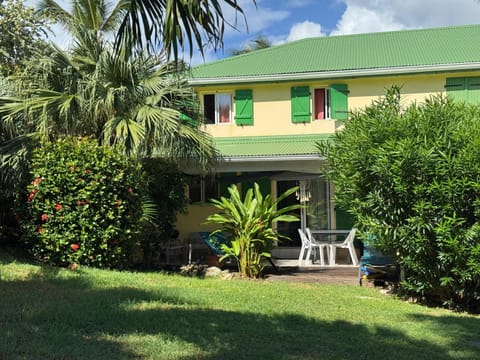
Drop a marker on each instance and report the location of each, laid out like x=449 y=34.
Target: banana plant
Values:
x=250 y=223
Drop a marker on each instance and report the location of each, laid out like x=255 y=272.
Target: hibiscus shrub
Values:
x=83 y=205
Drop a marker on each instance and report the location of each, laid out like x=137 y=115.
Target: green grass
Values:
x=48 y=313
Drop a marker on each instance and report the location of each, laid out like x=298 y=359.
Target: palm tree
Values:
x=174 y=24
x=261 y=42
x=133 y=101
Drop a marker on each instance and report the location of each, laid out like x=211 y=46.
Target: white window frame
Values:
x=217 y=112
x=203 y=190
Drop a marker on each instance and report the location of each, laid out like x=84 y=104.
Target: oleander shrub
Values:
x=411 y=176
x=83 y=204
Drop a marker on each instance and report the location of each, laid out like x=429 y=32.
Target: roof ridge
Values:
x=411 y=30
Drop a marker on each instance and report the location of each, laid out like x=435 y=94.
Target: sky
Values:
x=281 y=21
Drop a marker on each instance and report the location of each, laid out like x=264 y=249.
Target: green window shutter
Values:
x=243 y=107
x=472 y=84
x=339 y=101
x=188 y=120
x=300 y=104
x=455 y=88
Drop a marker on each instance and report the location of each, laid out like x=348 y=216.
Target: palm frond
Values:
x=177 y=24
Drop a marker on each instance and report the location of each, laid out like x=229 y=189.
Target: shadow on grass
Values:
x=47 y=317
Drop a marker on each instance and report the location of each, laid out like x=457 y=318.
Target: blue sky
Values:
x=287 y=20
x=281 y=21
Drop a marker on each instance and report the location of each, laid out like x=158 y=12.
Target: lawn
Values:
x=47 y=313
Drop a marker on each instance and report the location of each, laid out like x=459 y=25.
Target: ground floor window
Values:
x=202 y=188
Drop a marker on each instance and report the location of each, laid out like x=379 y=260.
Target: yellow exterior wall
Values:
x=271 y=102
x=193 y=220
x=272 y=116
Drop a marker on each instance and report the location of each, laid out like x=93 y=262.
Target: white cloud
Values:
x=363 y=16
x=357 y=19
x=304 y=30
x=299 y=3
x=258 y=18
x=209 y=55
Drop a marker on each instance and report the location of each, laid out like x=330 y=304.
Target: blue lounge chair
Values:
x=374 y=265
x=214 y=241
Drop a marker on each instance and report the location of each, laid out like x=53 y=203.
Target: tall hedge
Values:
x=411 y=176
x=83 y=204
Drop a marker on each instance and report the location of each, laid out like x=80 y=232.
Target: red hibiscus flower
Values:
x=130 y=190
x=44 y=217
x=32 y=195
x=58 y=206
x=74 y=247
x=40 y=230
x=37 y=181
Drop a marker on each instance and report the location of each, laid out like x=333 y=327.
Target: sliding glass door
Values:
x=314 y=193
x=318 y=205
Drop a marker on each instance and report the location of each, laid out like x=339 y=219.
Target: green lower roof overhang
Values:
x=270 y=147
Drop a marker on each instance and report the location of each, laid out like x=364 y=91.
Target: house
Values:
x=266 y=110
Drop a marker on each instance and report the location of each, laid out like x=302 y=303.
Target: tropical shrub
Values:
x=411 y=176
x=250 y=225
x=8 y=177
x=83 y=204
x=166 y=190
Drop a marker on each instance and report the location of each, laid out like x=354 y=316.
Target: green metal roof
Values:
x=269 y=146
x=418 y=49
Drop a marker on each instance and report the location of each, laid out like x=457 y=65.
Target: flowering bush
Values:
x=83 y=205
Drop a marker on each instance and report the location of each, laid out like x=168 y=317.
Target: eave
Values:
x=304 y=76
x=310 y=164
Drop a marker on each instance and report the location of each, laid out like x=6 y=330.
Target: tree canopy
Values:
x=130 y=100
x=21 y=33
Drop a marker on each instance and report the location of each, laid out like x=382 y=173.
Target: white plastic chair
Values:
x=320 y=245
x=347 y=244
x=308 y=246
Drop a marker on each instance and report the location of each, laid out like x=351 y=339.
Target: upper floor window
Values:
x=328 y=103
x=217 y=108
x=321 y=103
